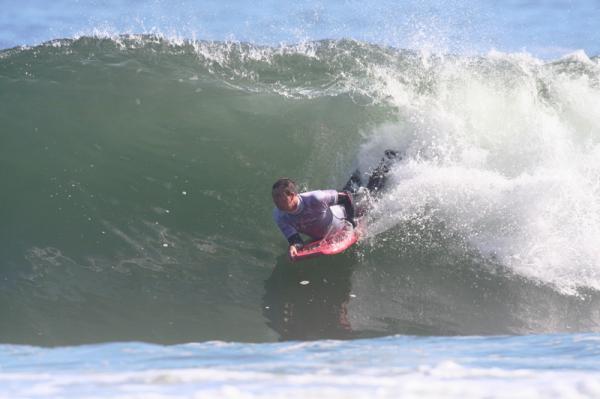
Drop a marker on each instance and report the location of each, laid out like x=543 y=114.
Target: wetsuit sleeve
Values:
x=288 y=231
x=345 y=199
x=296 y=240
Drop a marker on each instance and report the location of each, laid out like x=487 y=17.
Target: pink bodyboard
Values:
x=331 y=245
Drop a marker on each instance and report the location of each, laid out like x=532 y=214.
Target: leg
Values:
x=378 y=177
x=354 y=183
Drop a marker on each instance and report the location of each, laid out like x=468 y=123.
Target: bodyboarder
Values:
x=318 y=213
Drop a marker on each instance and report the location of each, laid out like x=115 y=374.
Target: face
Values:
x=286 y=202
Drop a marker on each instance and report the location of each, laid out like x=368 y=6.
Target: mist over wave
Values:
x=136 y=171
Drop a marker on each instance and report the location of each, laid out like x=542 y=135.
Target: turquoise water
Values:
x=138 y=144
x=136 y=174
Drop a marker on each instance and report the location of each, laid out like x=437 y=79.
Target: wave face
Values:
x=136 y=173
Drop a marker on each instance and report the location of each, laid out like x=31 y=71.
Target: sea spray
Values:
x=501 y=151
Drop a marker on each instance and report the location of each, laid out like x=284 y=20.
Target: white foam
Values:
x=444 y=380
x=504 y=152
x=578 y=56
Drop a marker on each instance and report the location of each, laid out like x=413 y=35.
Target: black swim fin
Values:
x=354 y=183
x=378 y=177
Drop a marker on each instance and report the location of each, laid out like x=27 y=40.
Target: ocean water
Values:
x=138 y=144
x=539 y=366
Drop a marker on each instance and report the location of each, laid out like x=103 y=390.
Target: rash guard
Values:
x=317 y=214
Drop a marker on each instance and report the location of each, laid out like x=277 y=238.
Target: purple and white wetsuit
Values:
x=317 y=215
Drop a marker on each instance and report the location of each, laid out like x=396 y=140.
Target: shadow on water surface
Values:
x=309 y=299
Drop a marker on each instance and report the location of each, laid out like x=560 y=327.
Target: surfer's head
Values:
x=285 y=194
